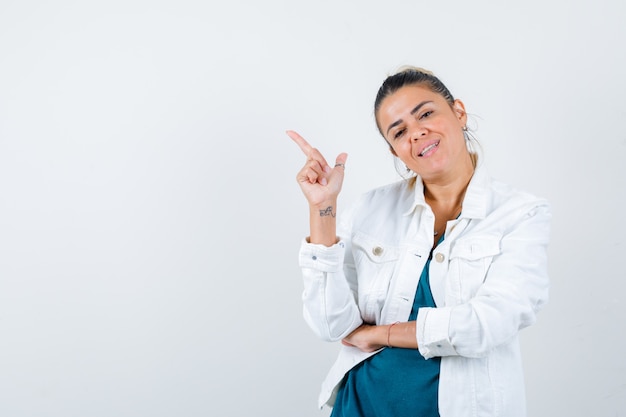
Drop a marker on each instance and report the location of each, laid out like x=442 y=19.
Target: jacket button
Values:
x=377 y=251
x=439 y=257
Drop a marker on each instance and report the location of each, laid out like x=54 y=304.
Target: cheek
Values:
x=399 y=149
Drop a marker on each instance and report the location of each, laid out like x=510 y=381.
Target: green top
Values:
x=395 y=382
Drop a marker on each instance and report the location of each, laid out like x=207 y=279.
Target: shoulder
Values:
x=508 y=196
x=487 y=198
x=394 y=189
x=512 y=207
x=399 y=195
x=386 y=201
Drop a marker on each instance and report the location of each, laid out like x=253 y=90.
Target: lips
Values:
x=429 y=148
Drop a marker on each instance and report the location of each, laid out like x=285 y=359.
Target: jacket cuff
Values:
x=432 y=335
x=322 y=258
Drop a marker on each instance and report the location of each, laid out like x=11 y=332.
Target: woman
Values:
x=428 y=281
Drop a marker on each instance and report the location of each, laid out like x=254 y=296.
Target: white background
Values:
x=149 y=214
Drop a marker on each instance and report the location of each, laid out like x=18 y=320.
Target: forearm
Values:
x=329 y=302
x=401 y=335
x=323 y=223
x=370 y=338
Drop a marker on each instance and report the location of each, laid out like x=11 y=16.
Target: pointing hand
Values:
x=319 y=182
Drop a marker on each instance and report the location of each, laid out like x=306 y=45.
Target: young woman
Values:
x=428 y=281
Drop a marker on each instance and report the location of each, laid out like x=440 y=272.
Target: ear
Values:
x=459 y=110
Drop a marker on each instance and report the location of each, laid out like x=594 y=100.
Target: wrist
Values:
x=388 y=344
x=323 y=206
x=323 y=225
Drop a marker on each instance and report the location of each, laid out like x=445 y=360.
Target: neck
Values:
x=448 y=190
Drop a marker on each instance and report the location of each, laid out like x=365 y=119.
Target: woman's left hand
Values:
x=370 y=338
x=367 y=338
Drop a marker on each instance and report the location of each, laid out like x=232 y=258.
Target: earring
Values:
x=407 y=168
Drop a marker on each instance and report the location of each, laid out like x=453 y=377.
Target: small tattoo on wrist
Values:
x=328 y=211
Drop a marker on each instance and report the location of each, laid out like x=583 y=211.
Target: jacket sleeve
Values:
x=514 y=290
x=330 y=288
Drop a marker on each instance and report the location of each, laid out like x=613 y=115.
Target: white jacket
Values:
x=488 y=279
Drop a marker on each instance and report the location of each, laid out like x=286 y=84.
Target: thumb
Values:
x=340 y=161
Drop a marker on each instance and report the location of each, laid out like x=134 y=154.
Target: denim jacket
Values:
x=488 y=279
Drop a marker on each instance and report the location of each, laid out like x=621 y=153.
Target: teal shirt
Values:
x=395 y=382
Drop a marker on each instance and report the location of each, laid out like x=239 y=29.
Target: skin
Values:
x=412 y=119
x=321 y=185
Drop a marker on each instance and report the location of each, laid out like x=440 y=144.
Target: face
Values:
x=424 y=131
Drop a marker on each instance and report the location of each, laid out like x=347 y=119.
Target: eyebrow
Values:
x=415 y=110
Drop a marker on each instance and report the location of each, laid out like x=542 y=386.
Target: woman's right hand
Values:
x=319 y=182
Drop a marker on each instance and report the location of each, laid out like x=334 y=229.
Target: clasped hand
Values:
x=366 y=337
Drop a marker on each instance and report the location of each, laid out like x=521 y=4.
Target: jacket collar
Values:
x=477 y=196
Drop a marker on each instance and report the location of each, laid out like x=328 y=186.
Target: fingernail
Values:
x=327 y=169
x=323 y=181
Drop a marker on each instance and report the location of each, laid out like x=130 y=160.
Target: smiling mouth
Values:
x=429 y=148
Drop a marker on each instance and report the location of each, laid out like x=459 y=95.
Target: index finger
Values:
x=301 y=142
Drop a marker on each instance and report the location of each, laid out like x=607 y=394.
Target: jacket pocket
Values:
x=470 y=259
x=375 y=262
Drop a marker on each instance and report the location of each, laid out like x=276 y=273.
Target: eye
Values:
x=426 y=114
x=399 y=133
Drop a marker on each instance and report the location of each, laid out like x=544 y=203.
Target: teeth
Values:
x=428 y=148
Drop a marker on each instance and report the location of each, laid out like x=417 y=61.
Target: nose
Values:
x=417 y=132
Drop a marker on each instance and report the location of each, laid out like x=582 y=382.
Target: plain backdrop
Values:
x=150 y=219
